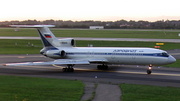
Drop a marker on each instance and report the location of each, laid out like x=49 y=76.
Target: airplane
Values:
x=65 y=53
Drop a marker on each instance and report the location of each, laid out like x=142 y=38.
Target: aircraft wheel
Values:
x=102 y=67
x=68 y=69
x=106 y=67
x=149 y=71
x=99 y=67
x=71 y=69
x=64 y=69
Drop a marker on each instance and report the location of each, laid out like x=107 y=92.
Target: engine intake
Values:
x=62 y=53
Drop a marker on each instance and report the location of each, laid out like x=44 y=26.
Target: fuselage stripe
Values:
x=114 y=54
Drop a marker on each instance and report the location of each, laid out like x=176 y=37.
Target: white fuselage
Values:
x=132 y=56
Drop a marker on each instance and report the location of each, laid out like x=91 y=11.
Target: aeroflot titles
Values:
x=119 y=50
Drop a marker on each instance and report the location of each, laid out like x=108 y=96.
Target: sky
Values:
x=99 y=10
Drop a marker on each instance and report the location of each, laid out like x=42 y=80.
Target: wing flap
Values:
x=98 y=60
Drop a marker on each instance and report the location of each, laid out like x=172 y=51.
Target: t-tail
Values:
x=49 y=41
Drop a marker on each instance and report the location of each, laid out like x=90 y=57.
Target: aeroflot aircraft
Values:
x=65 y=52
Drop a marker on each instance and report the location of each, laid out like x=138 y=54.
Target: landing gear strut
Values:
x=69 y=68
x=149 y=69
x=102 y=67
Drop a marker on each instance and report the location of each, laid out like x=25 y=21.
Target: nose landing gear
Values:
x=149 y=69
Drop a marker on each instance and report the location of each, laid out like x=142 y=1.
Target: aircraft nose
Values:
x=171 y=59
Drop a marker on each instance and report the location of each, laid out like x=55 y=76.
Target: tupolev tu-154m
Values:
x=65 y=53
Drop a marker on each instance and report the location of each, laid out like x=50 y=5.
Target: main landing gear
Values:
x=149 y=69
x=102 y=67
x=69 y=68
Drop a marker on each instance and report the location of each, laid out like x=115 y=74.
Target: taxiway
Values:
x=102 y=39
x=116 y=74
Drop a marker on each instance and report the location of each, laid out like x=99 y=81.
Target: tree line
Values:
x=119 y=24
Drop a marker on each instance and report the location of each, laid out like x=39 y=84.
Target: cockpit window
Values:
x=165 y=54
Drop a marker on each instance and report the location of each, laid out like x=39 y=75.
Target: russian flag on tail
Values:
x=47 y=36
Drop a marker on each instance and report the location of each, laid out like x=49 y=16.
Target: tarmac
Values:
x=101 y=92
x=102 y=39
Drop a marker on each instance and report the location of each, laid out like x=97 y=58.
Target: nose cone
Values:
x=171 y=59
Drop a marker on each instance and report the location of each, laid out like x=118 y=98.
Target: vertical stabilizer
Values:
x=47 y=37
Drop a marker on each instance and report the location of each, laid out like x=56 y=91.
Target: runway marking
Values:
x=57 y=66
x=167 y=74
x=21 y=57
x=146 y=73
x=127 y=72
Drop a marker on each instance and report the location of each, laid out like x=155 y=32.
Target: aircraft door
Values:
x=113 y=55
x=133 y=58
x=90 y=54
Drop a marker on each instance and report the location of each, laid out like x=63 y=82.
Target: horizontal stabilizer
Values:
x=31 y=26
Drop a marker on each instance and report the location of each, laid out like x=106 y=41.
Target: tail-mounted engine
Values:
x=68 y=42
x=54 y=54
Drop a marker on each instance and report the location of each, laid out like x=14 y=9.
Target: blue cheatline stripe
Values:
x=50 y=48
x=45 y=42
x=123 y=54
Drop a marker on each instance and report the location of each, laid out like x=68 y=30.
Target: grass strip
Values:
x=133 y=92
x=15 y=46
x=15 y=88
x=113 y=33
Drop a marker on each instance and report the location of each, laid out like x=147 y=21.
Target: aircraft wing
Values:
x=59 y=62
